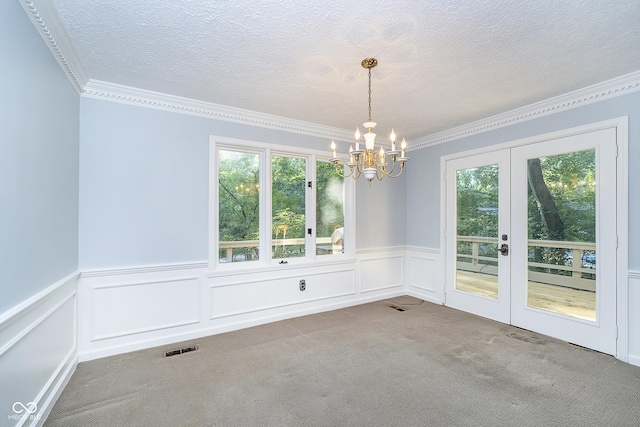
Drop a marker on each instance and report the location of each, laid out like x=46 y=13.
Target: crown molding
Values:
x=618 y=86
x=45 y=20
x=160 y=101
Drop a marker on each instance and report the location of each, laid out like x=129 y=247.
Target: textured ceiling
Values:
x=441 y=63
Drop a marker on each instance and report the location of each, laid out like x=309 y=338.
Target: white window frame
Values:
x=266 y=152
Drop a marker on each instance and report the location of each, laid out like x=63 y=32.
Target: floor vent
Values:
x=397 y=308
x=180 y=351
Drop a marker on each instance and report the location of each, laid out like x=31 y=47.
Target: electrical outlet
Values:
x=303 y=285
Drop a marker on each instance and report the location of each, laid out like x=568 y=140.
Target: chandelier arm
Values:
x=399 y=172
x=389 y=172
x=355 y=173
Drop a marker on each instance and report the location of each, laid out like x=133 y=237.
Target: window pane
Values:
x=239 y=206
x=288 y=207
x=329 y=210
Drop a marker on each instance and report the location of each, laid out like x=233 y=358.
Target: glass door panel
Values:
x=562 y=234
x=477 y=230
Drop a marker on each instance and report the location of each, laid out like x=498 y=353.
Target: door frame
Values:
x=622 y=212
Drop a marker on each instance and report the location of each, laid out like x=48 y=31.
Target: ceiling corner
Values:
x=45 y=20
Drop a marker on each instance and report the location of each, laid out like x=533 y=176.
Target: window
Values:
x=238 y=206
x=288 y=201
x=330 y=210
x=276 y=205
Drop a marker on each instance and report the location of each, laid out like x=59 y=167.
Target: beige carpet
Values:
x=369 y=365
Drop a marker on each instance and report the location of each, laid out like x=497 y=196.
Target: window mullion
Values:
x=266 y=226
x=310 y=207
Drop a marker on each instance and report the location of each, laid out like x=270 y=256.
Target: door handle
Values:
x=504 y=249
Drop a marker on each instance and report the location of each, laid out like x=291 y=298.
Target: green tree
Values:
x=239 y=181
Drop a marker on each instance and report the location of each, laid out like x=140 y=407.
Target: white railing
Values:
x=275 y=243
x=471 y=262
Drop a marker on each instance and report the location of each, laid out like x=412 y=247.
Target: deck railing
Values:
x=581 y=277
x=229 y=247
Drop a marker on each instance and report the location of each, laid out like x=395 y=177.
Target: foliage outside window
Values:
x=288 y=214
x=238 y=206
x=561 y=208
x=478 y=212
x=275 y=207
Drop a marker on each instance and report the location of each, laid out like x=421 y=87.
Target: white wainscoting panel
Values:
x=254 y=294
x=634 y=318
x=38 y=352
x=424 y=271
x=121 y=309
x=133 y=308
x=381 y=271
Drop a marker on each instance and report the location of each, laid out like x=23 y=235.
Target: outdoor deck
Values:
x=558 y=299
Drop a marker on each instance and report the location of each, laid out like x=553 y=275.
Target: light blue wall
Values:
x=381 y=212
x=423 y=183
x=38 y=163
x=144 y=177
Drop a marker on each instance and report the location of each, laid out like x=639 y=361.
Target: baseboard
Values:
x=424 y=297
x=27 y=330
x=65 y=372
x=634 y=317
x=634 y=360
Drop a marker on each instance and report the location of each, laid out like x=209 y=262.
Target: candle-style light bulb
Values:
x=333 y=147
x=350 y=155
x=357 y=139
x=403 y=146
x=392 y=137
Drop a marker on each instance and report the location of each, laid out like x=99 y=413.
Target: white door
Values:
x=478 y=218
x=551 y=207
x=577 y=302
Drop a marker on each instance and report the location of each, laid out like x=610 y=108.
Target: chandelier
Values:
x=370 y=162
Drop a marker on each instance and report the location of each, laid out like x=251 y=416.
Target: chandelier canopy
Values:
x=370 y=162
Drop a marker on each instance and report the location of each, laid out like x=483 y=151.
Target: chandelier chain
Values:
x=369 y=94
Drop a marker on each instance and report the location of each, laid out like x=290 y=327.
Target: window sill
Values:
x=242 y=269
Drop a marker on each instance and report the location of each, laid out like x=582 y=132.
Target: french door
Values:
x=531 y=237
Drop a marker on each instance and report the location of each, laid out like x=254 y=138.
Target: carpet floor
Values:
x=368 y=365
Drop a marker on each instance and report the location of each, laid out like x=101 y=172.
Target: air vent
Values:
x=180 y=351
x=397 y=308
